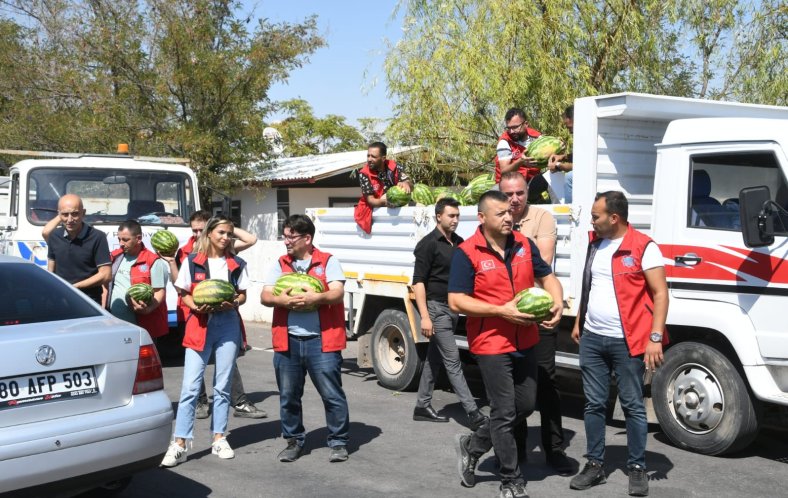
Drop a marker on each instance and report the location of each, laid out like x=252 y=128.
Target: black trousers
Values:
x=510 y=382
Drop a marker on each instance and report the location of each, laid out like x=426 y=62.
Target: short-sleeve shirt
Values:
x=159 y=274
x=538 y=224
x=79 y=258
x=305 y=324
x=433 y=262
x=218 y=270
x=386 y=177
x=504 y=150
x=602 y=316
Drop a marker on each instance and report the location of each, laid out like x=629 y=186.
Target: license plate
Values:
x=45 y=387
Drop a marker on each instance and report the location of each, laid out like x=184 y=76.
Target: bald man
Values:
x=78 y=253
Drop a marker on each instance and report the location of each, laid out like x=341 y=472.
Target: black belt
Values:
x=304 y=337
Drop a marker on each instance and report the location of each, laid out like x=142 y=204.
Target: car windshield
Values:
x=111 y=196
x=28 y=294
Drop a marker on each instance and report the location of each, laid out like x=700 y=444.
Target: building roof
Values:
x=309 y=169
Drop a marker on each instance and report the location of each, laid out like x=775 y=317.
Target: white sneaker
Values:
x=175 y=454
x=221 y=448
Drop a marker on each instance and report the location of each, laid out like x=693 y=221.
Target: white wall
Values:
x=258 y=212
x=303 y=198
x=259 y=259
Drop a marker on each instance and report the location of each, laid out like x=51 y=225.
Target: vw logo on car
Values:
x=45 y=355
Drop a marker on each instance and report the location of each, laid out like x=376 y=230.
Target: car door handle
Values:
x=689 y=259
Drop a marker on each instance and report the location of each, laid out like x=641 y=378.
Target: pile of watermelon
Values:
x=543 y=147
x=297 y=282
x=140 y=292
x=164 y=242
x=423 y=195
x=213 y=292
x=477 y=187
x=535 y=301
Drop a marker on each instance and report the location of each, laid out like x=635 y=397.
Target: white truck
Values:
x=682 y=164
x=161 y=193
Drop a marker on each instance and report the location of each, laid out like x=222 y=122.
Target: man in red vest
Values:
x=511 y=154
x=133 y=263
x=487 y=271
x=308 y=340
x=379 y=175
x=620 y=327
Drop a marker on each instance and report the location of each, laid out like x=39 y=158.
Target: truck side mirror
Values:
x=757 y=219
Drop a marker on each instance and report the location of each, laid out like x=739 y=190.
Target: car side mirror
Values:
x=757 y=219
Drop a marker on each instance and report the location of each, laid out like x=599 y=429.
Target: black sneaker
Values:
x=558 y=460
x=638 y=481
x=466 y=463
x=515 y=489
x=591 y=475
x=291 y=453
x=248 y=410
x=203 y=410
x=476 y=419
x=338 y=454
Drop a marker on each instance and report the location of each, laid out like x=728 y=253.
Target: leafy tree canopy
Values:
x=303 y=133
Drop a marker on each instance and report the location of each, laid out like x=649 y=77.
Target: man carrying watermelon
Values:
x=564 y=162
x=132 y=264
x=308 y=332
x=512 y=149
x=375 y=179
x=489 y=271
x=620 y=327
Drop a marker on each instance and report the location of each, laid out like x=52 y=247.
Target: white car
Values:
x=82 y=401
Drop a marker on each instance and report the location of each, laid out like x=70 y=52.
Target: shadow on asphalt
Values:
x=174 y=485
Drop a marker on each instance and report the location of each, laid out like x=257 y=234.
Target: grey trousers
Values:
x=443 y=351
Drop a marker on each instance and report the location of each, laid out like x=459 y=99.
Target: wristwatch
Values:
x=655 y=337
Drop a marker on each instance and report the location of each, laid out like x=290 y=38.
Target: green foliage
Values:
x=305 y=134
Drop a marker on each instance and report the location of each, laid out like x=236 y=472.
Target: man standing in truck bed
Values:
x=379 y=175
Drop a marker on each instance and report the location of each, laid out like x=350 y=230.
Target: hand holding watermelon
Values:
x=539 y=305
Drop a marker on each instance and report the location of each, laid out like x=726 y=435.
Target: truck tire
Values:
x=396 y=359
x=702 y=402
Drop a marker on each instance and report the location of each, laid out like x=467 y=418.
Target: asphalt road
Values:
x=391 y=455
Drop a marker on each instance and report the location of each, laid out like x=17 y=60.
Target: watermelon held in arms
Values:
x=422 y=194
x=543 y=147
x=397 y=197
x=535 y=301
x=164 y=242
x=140 y=292
x=297 y=282
x=213 y=292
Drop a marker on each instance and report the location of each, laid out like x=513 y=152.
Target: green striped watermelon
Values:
x=535 y=301
x=479 y=185
x=213 y=292
x=439 y=193
x=543 y=147
x=422 y=194
x=465 y=197
x=297 y=281
x=140 y=292
x=164 y=242
x=397 y=197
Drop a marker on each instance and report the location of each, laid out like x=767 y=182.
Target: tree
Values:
x=170 y=77
x=303 y=133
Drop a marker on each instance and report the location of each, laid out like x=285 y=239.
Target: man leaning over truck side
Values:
x=623 y=335
x=438 y=321
x=487 y=270
x=80 y=253
x=375 y=178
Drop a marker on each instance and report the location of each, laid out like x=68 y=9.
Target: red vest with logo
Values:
x=492 y=284
x=518 y=150
x=154 y=322
x=197 y=323
x=363 y=211
x=332 y=316
x=633 y=295
x=182 y=310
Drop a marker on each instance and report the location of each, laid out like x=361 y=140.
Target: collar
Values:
x=82 y=233
x=480 y=240
x=626 y=244
x=437 y=235
x=202 y=259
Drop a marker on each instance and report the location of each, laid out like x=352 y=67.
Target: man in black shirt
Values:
x=79 y=253
x=430 y=283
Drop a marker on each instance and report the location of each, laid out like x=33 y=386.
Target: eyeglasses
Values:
x=514 y=127
x=292 y=238
x=73 y=214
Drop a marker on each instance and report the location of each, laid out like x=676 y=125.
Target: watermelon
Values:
x=140 y=292
x=397 y=197
x=480 y=185
x=164 y=242
x=439 y=193
x=543 y=147
x=297 y=281
x=422 y=194
x=213 y=292
x=465 y=197
x=535 y=301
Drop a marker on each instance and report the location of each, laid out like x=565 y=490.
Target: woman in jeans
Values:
x=209 y=330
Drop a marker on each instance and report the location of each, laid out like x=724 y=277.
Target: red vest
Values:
x=517 y=151
x=182 y=311
x=154 y=322
x=494 y=335
x=332 y=316
x=635 y=302
x=197 y=323
x=363 y=212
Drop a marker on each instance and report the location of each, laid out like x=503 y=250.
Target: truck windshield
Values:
x=111 y=196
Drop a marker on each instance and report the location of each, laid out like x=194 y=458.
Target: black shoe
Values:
x=203 y=410
x=338 y=454
x=291 y=453
x=558 y=460
x=515 y=489
x=248 y=410
x=466 y=463
x=428 y=414
x=638 y=481
x=592 y=474
x=476 y=419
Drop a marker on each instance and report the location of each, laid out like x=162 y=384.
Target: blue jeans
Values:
x=569 y=177
x=223 y=338
x=599 y=357
x=305 y=355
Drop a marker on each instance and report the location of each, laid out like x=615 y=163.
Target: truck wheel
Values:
x=396 y=359
x=701 y=401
